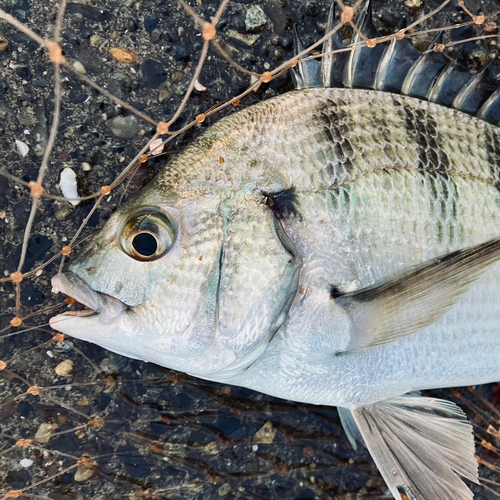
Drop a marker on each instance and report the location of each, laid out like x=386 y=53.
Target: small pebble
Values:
x=4 y=44
x=255 y=19
x=82 y=474
x=64 y=368
x=50 y=354
x=23 y=147
x=26 y=462
x=124 y=127
x=44 y=432
x=79 y=67
x=122 y=55
x=86 y=166
x=156 y=146
x=69 y=185
x=266 y=433
x=95 y=40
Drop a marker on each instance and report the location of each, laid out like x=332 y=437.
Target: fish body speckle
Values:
x=349 y=243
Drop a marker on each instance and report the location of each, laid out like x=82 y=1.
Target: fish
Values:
x=336 y=245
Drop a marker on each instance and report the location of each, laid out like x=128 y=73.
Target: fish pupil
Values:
x=145 y=244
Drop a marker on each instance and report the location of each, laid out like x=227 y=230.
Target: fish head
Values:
x=150 y=274
x=195 y=283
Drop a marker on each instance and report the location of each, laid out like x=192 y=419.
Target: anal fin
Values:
x=421 y=446
x=350 y=427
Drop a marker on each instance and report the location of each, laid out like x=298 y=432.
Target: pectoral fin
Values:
x=421 y=446
x=409 y=301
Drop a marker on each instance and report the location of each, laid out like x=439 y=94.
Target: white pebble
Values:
x=255 y=447
x=68 y=185
x=156 y=147
x=23 y=147
x=49 y=354
x=199 y=87
x=26 y=132
x=26 y=462
x=86 y=166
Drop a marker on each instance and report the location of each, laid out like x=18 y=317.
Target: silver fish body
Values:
x=298 y=227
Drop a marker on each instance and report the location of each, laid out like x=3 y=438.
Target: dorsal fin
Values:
x=399 y=56
x=477 y=90
x=306 y=74
x=363 y=63
x=448 y=84
x=490 y=110
x=333 y=64
x=398 y=66
x=424 y=71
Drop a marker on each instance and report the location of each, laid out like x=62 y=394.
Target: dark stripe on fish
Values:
x=492 y=145
x=334 y=125
x=339 y=198
x=422 y=128
x=444 y=198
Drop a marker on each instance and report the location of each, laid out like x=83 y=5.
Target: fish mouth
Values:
x=106 y=307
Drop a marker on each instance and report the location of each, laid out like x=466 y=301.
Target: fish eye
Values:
x=148 y=234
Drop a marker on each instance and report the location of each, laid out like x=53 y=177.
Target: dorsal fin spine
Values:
x=397 y=66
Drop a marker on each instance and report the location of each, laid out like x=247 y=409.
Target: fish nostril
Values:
x=145 y=244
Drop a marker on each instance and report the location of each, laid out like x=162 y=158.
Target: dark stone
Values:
x=38 y=246
x=88 y=11
x=31 y=296
x=4 y=189
x=24 y=409
x=23 y=72
x=151 y=22
x=77 y=97
x=22 y=212
x=101 y=402
x=181 y=54
x=20 y=9
x=17 y=479
x=133 y=24
x=154 y=73
x=71 y=37
x=39 y=81
x=312 y=9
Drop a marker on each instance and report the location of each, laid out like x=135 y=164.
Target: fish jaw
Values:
x=106 y=320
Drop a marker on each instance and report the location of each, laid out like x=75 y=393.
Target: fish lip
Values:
x=106 y=307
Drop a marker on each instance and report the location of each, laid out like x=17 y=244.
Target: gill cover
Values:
x=258 y=281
